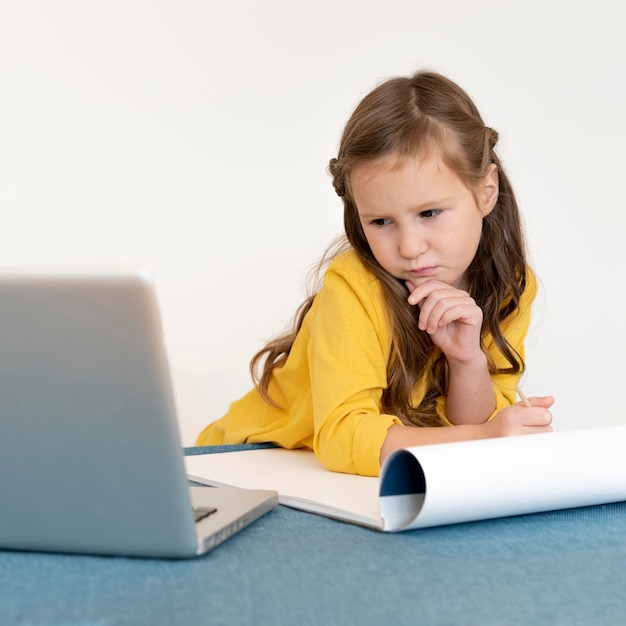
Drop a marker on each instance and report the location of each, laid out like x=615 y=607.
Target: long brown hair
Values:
x=408 y=116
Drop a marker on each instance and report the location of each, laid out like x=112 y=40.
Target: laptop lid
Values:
x=90 y=454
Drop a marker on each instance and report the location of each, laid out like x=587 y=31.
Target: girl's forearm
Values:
x=399 y=437
x=470 y=398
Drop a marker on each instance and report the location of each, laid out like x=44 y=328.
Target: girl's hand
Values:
x=451 y=318
x=519 y=419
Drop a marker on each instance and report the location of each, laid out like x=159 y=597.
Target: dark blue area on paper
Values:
x=403 y=475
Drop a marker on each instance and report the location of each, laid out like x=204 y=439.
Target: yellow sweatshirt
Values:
x=330 y=388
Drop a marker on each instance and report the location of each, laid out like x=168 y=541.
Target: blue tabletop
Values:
x=290 y=567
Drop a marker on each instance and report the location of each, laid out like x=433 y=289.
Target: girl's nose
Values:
x=411 y=245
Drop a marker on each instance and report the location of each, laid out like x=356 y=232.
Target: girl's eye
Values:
x=430 y=213
x=381 y=221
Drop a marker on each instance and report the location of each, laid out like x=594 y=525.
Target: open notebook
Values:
x=90 y=455
x=439 y=484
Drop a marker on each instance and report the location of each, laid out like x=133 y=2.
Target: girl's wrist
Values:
x=478 y=363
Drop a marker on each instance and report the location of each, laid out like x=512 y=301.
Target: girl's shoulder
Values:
x=532 y=286
x=348 y=263
x=353 y=292
x=347 y=279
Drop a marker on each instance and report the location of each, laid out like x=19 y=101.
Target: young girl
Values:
x=417 y=333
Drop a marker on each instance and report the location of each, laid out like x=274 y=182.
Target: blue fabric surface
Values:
x=289 y=567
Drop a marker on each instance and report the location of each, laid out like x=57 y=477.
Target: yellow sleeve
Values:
x=348 y=354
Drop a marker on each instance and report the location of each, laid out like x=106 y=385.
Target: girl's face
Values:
x=420 y=220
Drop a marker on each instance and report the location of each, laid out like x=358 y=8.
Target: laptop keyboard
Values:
x=202 y=511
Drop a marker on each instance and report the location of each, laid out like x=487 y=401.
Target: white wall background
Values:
x=191 y=137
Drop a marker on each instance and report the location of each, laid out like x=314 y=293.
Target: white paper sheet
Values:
x=300 y=479
x=488 y=478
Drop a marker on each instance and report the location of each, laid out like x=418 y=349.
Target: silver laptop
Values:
x=90 y=455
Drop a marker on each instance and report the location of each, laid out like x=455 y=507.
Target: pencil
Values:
x=523 y=398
